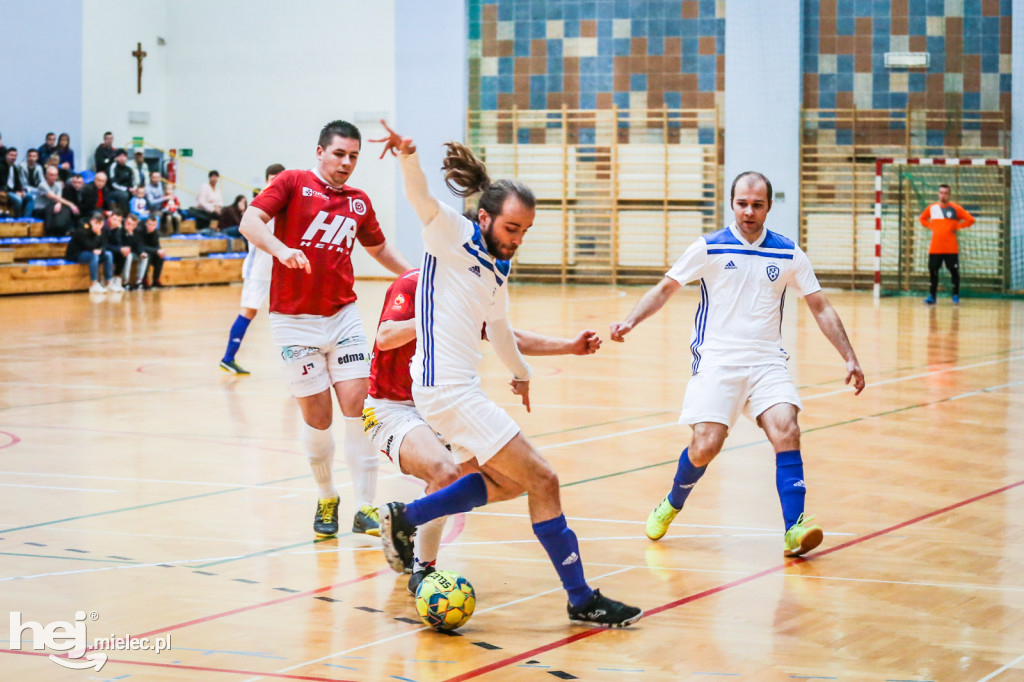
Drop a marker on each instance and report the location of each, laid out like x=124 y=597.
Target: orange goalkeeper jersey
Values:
x=944 y=221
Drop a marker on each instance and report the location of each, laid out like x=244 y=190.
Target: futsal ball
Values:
x=445 y=600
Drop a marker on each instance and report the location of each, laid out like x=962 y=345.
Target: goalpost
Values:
x=992 y=190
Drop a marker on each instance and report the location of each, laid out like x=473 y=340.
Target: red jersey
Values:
x=389 y=371
x=324 y=223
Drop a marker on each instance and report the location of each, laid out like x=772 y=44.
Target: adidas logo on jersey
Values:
x=475 y=270
x=800 y=484
x=730 y=266
x=571 y=559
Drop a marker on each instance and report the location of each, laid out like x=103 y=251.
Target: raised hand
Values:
x=395 y=143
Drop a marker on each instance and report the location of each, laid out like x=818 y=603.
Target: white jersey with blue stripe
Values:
x=742 y=295
x=461 y=287
x=258 y=264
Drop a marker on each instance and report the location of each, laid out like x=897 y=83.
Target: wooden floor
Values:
x=141 y=485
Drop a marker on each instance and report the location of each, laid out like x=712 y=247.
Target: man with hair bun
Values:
x=462 y=287
x=738 y=361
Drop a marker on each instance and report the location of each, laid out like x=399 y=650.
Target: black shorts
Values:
x=951 y=260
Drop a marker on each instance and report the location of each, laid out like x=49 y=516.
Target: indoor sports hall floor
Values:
x=142 y=486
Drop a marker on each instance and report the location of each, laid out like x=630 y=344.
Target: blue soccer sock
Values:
x=687 y=476
x=235 y=337
x=467 y=493
x=789 y=479
x=564 y=551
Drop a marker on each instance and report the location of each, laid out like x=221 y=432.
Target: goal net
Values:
x=990 y=250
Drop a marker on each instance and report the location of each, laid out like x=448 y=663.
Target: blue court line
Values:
x=404 y=679
x=151 y=504
x=71 y=558
x=532 y=665
x=335 y=665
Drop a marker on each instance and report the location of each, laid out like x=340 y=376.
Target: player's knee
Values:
x=321 y=422
x=701 y=453
x=445 y=474
x=546 y=482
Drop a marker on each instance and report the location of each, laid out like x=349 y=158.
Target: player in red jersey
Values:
x=396 y=428
x=313 y=317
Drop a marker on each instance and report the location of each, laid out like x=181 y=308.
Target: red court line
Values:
x=532 y=653
x=251 y=673
x=14 y=439
x=252 y=607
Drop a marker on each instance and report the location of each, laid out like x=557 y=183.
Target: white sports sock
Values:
x=427 y=542
x=363 y=462
x=319 y=446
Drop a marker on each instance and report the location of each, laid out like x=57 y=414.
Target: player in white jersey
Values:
x=462 y=286
x=738 y=361
x=256 y=271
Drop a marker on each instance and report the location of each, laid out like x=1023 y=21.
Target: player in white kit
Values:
x=318 y=218
x=256 y=271
x=738 y=361
x=462 y=286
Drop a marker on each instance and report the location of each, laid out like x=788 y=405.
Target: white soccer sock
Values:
x=319 y=446
x=427 y=542
x=363 y=462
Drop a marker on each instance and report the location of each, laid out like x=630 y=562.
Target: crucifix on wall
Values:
x=139 y=56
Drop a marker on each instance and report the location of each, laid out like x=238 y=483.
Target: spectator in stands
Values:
x=208 y=202
x=140 y=167
x=59 y=214
x=171 y=218
x=66 y=155
x=105 y=153
x=47 y=148
x=150 y=245
x=231 y=217
x=138 y=205
x=10 y=182
x=86 y=246
x=131 y=249
x=31 y=175
x=156 y=193
x=73 y=192
x=96 y=195
x=114 y=241
x=122 y=180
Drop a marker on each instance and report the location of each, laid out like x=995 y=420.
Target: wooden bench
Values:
x=21 y=228
x=21 y=278
x=6 y=256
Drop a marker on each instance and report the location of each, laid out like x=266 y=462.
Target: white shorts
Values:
x=719 y=394
x=470 y=421
x=318 y=352
x=387 y=421
x=255 y=292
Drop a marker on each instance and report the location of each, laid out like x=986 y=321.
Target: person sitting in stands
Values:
x=87 y=246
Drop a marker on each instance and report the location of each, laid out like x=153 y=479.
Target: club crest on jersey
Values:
x=773 y=272
x=310 y=192
x=399 y=302
x=357 y=206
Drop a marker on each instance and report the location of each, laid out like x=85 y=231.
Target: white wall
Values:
x=112 y=30
x=252 y=82
x=763 y=82
x=42 y=88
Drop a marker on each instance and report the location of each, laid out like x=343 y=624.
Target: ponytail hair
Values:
x=466 y=175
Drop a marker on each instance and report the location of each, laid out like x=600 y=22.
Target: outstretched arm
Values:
x=416 y=190
x=530 y=343
x=832 y=327
x=650 y=303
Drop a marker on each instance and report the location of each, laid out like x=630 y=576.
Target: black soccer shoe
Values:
x=396 y=536
x=417 y=577
x=603 y=612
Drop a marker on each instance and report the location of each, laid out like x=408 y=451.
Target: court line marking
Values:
x=1003 y=669
x=421 y=629
x=641 y=523
x=54 y=487
x=179 y=666
x=735 y=583
x=964 y=586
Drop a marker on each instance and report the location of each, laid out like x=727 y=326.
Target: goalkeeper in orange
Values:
x=944 y=218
